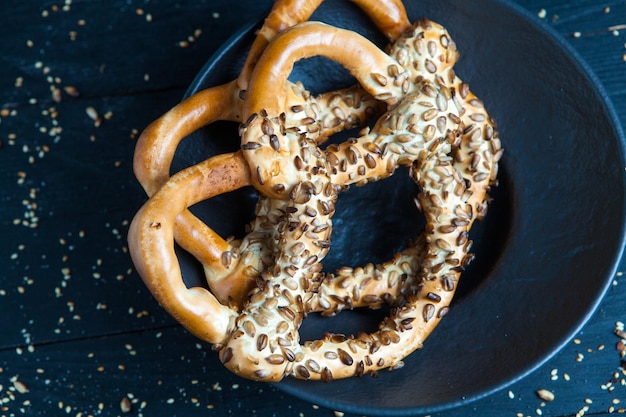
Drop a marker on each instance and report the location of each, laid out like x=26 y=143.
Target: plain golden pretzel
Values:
x=231 y=267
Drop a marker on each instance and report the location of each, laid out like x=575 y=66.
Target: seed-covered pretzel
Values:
x=431 y=56
x=286 y=164
x=231 y=267
x=436 y=127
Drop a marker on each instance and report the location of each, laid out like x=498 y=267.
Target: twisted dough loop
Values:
x=434 y=125
x=388 y=15
x=152 y=232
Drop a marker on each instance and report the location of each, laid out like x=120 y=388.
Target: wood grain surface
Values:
x=79 y=333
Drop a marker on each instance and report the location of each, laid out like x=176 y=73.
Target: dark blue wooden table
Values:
x=79 y=333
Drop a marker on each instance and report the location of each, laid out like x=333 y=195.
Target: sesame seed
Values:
x=20 y=387
x=125 y=405
x=92 y=113
x=582 y=411
x=545 y=395
x=71 y=91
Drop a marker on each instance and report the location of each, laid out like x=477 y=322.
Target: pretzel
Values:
x=228 y=277
x=286 y=164
x=261 y=342
x=475 y=158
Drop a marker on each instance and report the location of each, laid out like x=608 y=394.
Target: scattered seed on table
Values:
x=125 y=405
x=545 y=395
x=20 y=387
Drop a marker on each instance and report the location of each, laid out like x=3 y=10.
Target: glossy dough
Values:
x=262 y=286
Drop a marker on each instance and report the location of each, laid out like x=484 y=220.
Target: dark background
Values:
x=79 y=333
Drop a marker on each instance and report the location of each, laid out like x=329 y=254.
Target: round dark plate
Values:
x=547 y=250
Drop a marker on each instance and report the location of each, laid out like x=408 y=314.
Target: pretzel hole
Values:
x=373 y=222
x=227 y=214
x=490 y=237
x=217 y=138
x=319 y=74
x=348 y=322
x=191 y=269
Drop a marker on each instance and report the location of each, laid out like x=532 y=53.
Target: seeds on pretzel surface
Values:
x=331 y=354
x=352 y=155
x=380 y=79
x=275 y=359
x=327 y=375
x=275 y=143
x=448 y=282
x=261 y=320
x=302 y=372
x=480 y=176
x=227 y=355
x=262 y=373
x=250 y=146
x=308 y=121
x=430 y=66
x=249 y=328
x=344 y=357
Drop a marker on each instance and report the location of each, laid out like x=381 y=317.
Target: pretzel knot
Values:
x=433 y=125
x=231 y=267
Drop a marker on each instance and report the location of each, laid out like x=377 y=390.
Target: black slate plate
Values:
x=546 y=252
